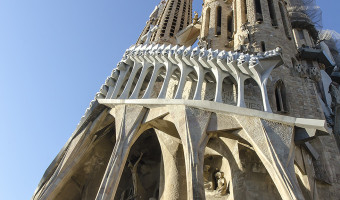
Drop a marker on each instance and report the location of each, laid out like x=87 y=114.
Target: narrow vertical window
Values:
x=258 y=9
x=206 y=22
x=218 y=21
x=272 y=13
x=245 y=11
x=230 y=26
x=280 y=96
x=284 y=20
x=263 y=47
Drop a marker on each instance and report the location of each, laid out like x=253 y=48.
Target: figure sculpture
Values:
x=221 y=184
x=195 y=20
x=243 y=38
x=134 y=174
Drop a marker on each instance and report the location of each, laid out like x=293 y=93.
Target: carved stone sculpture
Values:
x=221 y=183
x=133 y=168
x=195 y=20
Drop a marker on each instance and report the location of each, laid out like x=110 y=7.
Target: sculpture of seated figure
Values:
x=221 y=183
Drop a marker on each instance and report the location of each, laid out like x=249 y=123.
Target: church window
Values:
x=284 y=20
x=258 y=9
x=280 y=96
x=230 y=26
x=272 y=13
x=218 y=21
x=206 y=21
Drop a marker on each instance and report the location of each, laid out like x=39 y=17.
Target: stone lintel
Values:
x=215 y=107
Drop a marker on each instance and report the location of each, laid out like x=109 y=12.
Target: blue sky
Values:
x=54 y=56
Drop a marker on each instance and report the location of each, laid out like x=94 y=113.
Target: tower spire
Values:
x=170 y=16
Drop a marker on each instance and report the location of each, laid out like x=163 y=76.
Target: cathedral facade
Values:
x=240 y=102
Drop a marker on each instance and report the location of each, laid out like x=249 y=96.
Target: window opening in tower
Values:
x=284 y=20
x=272 y=13
x=218 y=21
x=258 y=9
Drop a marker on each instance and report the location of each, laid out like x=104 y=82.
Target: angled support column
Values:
x=232 y=68
x=191 y=124
x=220 y=76
x=145 y=71
x=172 y=184
x=124 y=69
x=200 y=73
x=274 y=144
x=156 y=72
x=128 y=121
x=185 y=71
x=261 y=70
x=127 y=89
x=170 y=68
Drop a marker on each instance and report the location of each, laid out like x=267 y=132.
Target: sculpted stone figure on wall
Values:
x=133 y=168
x=243 y=39
x=221 y=184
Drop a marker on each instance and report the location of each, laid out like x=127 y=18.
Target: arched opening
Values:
x=146 y=82
x=243 y=173
x=141 y=174
x=209 y=87
x=280 y=97
x=284 y=20
x=206 y=23
x=190 y=86
x=272 y=13
x=159 y=83
x=218 y=27
x=229 y=91
x=258 y=10
x=252 y=95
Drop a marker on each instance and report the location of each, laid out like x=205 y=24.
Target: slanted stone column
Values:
x=191 y=124
x=153 y=79
x=128 y=121
x=185 y=71
x=145 y=71
x=123 y=69
x=126 y=92
x=274 y=144
x=173 y=184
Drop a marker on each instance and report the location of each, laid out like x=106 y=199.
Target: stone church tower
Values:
x=242 y=102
